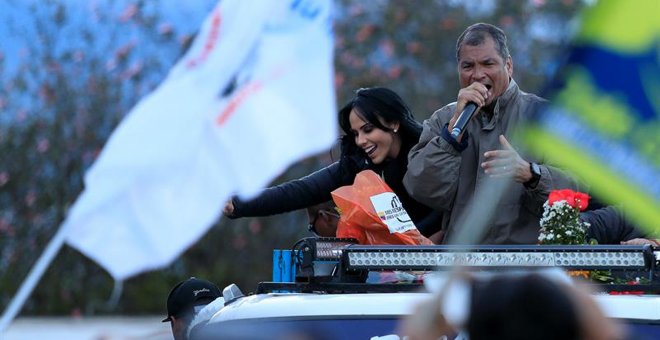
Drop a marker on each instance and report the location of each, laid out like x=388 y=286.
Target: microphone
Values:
x=463 y=119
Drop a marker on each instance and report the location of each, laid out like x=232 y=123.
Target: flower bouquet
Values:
x=560 y=223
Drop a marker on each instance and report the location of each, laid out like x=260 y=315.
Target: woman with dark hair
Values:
x=379 y=130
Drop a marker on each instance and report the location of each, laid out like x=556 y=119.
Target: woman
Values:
x=379 y=131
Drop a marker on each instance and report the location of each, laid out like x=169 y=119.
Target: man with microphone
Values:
x=466 y=142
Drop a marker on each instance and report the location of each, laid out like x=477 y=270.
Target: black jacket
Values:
x=316 y=187
x=608 y=226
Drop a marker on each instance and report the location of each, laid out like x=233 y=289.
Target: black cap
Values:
x=188 y=294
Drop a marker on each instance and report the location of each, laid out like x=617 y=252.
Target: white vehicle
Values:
x=334 y=299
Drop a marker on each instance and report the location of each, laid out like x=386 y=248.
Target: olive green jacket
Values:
x=444 y=174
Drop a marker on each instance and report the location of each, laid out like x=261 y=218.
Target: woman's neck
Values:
x=395 y=151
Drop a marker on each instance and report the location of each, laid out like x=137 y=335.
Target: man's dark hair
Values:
x=475 y=35
x=326 y=206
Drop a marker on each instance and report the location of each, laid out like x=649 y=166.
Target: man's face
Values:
x=327 y=226
x=483 y=64
x=324 y=223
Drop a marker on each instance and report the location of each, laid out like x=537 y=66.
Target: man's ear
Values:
x=509 y=66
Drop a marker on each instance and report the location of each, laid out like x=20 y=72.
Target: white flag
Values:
x=252 y=95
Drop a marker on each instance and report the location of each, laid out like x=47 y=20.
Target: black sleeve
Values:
x=430 y=224
x=459 y=147
x=608 y=226
x=301 y=193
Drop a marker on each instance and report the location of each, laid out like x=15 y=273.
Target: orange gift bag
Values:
x=373 y=214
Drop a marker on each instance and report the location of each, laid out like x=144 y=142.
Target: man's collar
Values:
x=506 y=97
x=491 y=115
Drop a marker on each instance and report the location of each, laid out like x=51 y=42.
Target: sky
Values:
x=18 y=21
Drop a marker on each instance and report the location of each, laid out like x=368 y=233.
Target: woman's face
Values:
x=376 y=143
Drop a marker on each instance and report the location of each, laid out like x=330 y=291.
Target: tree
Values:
x=84 y=67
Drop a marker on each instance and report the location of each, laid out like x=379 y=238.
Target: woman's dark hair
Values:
x=517 y=308
x=371 y=103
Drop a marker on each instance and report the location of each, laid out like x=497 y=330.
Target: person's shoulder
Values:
x=530 y=103
x=444 y=113
x=531 y=98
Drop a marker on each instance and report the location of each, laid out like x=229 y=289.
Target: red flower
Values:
x=558 y=195
x=575 y=199
x=582 y=200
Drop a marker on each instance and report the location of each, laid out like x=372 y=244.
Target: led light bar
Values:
x=439 y=257
x=326 y=248
x=318 y=257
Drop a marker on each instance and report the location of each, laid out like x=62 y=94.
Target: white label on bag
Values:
x=389 y=209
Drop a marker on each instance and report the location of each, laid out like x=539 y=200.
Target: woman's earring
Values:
x=395 y=130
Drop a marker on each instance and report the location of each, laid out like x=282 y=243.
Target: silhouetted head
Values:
x=522 y=307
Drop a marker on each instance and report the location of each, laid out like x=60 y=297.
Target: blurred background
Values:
x=71 y=69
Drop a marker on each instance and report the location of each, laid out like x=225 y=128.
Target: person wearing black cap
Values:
x=185 y=300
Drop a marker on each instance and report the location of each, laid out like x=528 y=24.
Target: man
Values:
x=607 y=225
x=185 y=300
x=323 y=219
x=444 y=172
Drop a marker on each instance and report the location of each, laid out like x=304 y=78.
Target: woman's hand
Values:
x=229 y=208
x=353 y=159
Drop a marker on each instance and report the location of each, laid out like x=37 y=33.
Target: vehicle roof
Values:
x=642 y=307
x=339 y=282
x=273 y=305
x=315 y=304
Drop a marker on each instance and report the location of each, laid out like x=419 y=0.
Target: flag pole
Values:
x=33 y=278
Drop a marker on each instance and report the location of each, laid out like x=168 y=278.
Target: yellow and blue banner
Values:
x=603 y=122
